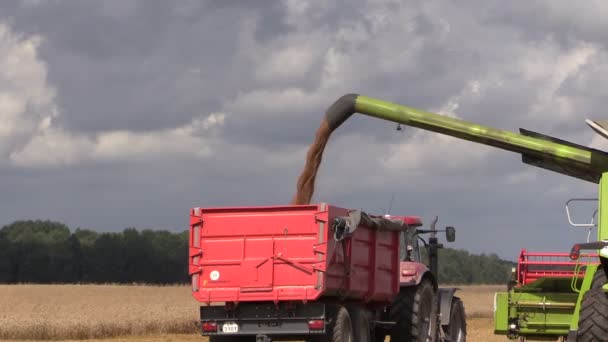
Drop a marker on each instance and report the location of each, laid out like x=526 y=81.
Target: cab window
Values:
x=408 y=248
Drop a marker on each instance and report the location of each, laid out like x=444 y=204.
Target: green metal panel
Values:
x=602 y=232
x=501 y=313
x=537 y=314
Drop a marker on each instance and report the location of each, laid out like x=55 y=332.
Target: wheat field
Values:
x=147 y=313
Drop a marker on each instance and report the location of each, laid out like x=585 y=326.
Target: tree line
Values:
x=48 y=252
x=461 y=267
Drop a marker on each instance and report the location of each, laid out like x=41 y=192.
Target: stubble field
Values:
x=147 y=313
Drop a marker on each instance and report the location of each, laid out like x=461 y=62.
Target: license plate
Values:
x=230 y=328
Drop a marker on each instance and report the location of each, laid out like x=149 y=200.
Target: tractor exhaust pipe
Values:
x=536 y=149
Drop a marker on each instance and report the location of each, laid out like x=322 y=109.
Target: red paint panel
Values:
x=288 y=253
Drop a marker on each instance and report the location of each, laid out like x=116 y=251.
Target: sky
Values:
x=118 y=114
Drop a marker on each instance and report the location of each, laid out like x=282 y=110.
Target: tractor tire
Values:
x=341 y=330
x=360 y=322
x=411 y=310
x=456 y=331
x=599 y=278
x=593 y=319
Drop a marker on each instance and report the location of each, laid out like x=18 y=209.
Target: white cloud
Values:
x=552 y=67
x=288 y=63
x=31 y=134
x=54 y=146
x=26 y=100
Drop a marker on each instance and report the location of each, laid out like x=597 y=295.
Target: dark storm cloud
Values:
x=144 y=67
x=138 y=65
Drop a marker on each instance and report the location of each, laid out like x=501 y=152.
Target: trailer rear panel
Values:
x=286 y=253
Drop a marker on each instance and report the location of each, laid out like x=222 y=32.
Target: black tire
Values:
x=593 y=319
x=599 y=278
x=411 y=310
x=456 y=331
x=360 y=322
x=379 y=335
x=341 y=329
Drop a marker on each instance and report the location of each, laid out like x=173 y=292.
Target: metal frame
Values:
x=588 y=225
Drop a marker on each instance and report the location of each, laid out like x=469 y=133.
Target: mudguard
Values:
x=445 y=296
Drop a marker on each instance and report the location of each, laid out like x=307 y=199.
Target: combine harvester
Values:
x=588 y=320
x=259 y=261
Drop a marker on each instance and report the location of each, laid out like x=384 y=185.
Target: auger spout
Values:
x=536 y=149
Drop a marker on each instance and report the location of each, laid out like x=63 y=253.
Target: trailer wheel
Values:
x=593 y=319
x=360 y=322
x=456 y=331
x=341 y=330
x=411 y=310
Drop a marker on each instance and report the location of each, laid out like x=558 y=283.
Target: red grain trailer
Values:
x=299 y=271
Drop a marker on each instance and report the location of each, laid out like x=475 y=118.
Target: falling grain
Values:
x=306 y=181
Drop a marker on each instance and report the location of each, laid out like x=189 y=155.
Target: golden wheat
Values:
x=479 y=299
x=94 y=311
x=146 y=313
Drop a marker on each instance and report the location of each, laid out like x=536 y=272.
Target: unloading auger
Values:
x=538 y=150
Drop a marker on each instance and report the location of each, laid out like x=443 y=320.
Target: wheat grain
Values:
x=128 y=312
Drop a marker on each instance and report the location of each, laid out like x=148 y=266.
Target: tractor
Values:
x=420 y=294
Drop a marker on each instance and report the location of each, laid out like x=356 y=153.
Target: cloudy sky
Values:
x=128 y=113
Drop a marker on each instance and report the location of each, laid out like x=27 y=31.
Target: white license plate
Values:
x=230 y=328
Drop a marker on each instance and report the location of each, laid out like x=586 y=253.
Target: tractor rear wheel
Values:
x=593 y=319
x=411 y=310
x=456 y=331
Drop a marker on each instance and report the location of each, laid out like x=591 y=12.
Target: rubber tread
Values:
x=406 y=312
x=599 y=278
x=593 y=319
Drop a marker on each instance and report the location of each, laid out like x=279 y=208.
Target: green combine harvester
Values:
x=552 y=295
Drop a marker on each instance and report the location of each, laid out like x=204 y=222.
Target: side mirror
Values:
x=450 y=234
